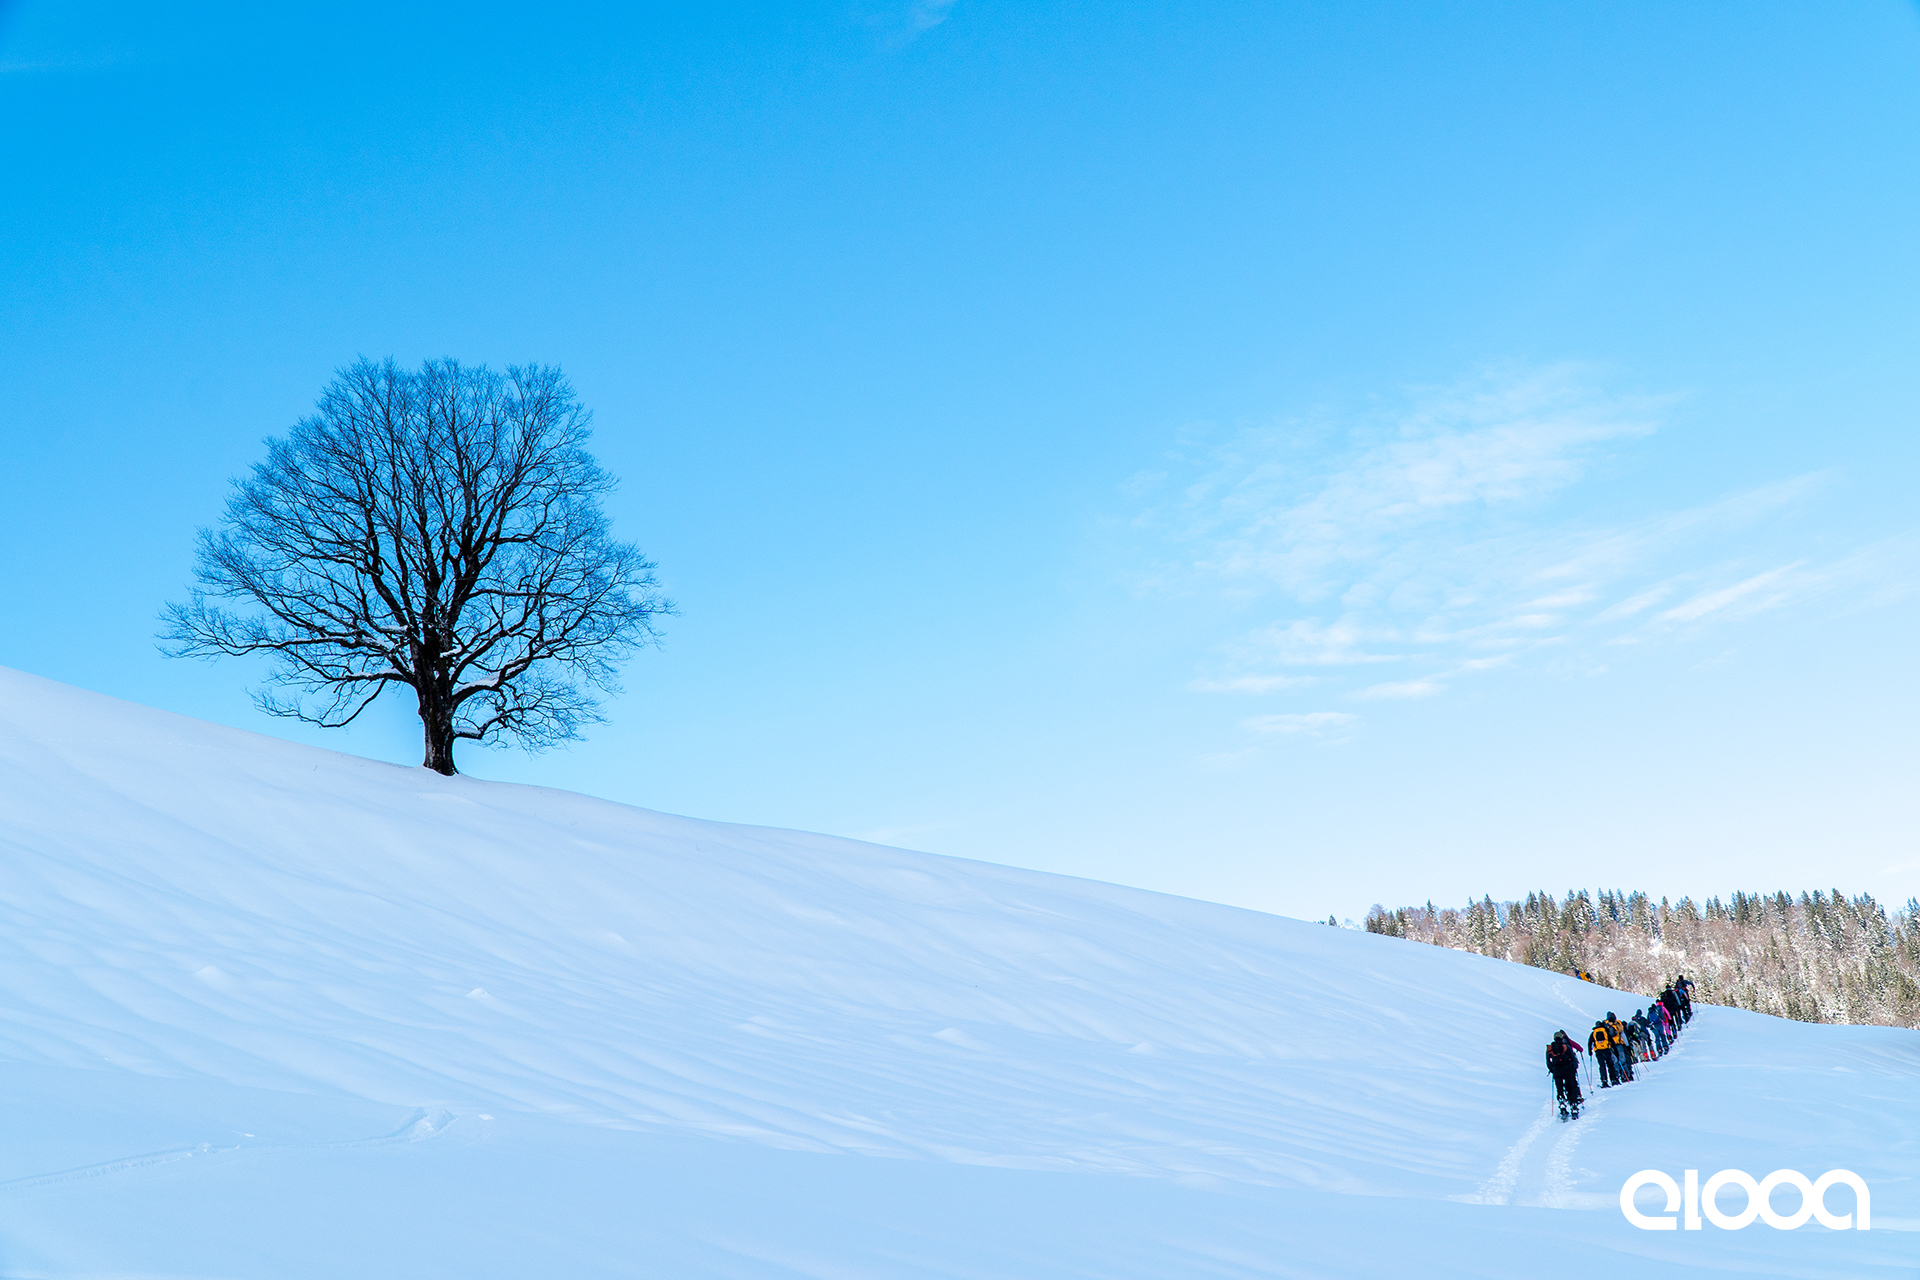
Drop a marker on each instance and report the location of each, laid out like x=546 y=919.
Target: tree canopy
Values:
x=437 y=529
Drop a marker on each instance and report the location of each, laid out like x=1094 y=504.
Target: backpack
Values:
x=1601 y=1039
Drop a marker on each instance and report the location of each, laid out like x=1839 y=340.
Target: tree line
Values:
x=1821 y=957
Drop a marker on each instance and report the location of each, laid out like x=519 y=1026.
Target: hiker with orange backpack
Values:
x=1600 y=1040
x=1622 y=1050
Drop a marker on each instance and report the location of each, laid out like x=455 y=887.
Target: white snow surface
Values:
x=272 y=1011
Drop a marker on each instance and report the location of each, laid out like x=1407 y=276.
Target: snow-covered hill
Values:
x=268 y=1011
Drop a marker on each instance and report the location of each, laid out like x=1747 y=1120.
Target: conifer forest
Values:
x=1821 y=957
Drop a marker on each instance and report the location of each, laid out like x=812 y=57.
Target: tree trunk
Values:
x=436 y=719
x=439 y=748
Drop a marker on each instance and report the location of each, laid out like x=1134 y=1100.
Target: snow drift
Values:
x=267 y=1010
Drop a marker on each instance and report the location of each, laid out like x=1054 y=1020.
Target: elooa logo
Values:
x=1702 y=1201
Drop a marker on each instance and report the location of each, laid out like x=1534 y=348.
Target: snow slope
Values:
x=269 y=1011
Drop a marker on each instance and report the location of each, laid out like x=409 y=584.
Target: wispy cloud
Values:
x=1264 y=508
x=928 y=13
x=900 y=24
x=69 y=65
x=1309 y=723
x=1305 y=642
x=1455 y=536
x=1253 y=684
x=1425 y=687
x=1750 y=595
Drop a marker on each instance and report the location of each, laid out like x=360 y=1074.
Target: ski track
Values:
x=1535 y=1173
x=1499 y=1188
x=422 y=1124
x=1541 y=1175
x=1555 y=1181
x=1556 y=1185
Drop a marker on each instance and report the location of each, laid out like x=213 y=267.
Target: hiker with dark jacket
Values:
x=1640 y=1037
x=1672 y=1003
x=1563 y=1063
x=1684 y=989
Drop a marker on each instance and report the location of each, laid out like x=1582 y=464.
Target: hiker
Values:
x=1656 y=1027
x=1640 y=1036
x=1563 y=1063
x=1622 y=1055
x=1600 y=1040
x=1684 y=989
x=1672 y=1004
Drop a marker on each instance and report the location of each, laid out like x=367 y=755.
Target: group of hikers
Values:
x=1617 y=1044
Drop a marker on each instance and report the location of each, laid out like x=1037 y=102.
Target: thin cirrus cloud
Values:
x=1306 y=642
x=900 y=25
x=1253 y=684
x=72 y=64
x=1426 y=687
x=1398 y=556
x=926 y=14
x=1761 y=591
x=1304 y=724
x=1266 y=510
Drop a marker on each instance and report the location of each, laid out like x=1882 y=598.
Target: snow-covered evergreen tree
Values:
x=1823 y=957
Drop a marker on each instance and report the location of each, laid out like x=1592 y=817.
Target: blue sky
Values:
x=1294 y=455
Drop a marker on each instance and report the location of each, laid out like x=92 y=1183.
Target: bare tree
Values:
x=440 y=530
